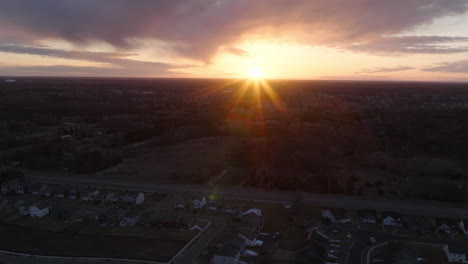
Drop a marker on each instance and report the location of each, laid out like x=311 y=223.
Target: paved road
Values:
x=427 y=208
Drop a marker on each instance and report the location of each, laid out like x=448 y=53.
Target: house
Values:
x=420 y=224
x=39 y=210
x=130 y=219
x=226 y=254
x=329 y=216
x=134 y=198
x=342 y=215
x=67 y=214
x=456 y=253
x=392 y=219
x=447 y=226
x=20 y=188
x=14 y=185
x=48 y=191
x=89 y=195
x=367 y=216
x=108 y=218
x=37 y=189
x=198 y=203
x=253 y=211
x=66 y=137
x=311 y=253
x=249 y=237
x=73 y=194
x=252 y=220
x=212 y=205
x=463 y=226
x=111 y=198
x=24 y=207
x=60 y=193
x=399 y=253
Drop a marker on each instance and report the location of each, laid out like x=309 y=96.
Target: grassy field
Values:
x=192 y=161
x=29 y=240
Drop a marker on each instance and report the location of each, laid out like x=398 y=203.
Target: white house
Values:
x=462 y=227
x=254 y=211
x=197 y=203
x=250 y=238
x=130 y=219
x=24 y=208
x=134 y=198
x=39 y=210
x=456 y=253
x=328 y=215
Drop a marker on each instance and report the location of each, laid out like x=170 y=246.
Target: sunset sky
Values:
x=424 y=40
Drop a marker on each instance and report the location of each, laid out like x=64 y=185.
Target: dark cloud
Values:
x=383 y=69
x=198 y=28
x=85 y=71
x=449 y=67
x=410 y=45
x=118 y=64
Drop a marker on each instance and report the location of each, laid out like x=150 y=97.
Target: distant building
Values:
x=229 y=253
x=392 y=219
x=198 y=203
x=39 y=210
x=456 y=253
x=24 y=207
x=367 y=216
x=130 y=219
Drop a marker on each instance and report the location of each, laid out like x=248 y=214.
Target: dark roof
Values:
x=236 y=241
x=419 y=221
x=399 y=253
x=340 y=213
x=132 y=214
x=392 y=214
x=228 y=250
x=458 y=248
x=41 y=206
x=248 y=233
x=252 y=219
x=308 y=255
x=314 y=224
x=28 y=203
x=366 y=213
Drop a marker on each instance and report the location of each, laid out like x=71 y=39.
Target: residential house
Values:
x=37 y=189
x=14 y=185
x=130 y=219
x=249 y=236
x=199 y=203
x=212 y=205
x=342 y=215
x=48 y=191
x=134 y=198
x=229 y=252
x=399 y=253
x=420 y=224
x=448 y=226
x=39 y=210
x=367 y=216
x=73 y=194
x=60 y=193
x=463 y=226
x=89 y=195
x=311 y=252
x=456 y=253
x=392 y=219
x=20 y=188
x=111 y=198
x=327 y=214
x=252 y=220
x=24 y=207
x=108 y=218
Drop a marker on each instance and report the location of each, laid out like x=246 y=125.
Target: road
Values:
x=426 y=208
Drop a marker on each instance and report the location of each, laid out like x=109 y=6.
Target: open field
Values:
x=193 y=161
x=28 y=240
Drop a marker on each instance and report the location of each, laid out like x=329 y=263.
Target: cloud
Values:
x=449 y=67
x=117 y=63
x=198 y=28
x=410 y=45
x=383 y=70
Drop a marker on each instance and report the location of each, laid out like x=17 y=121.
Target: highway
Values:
x=426 y=208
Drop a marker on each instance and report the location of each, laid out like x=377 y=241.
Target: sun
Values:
x=255 y=73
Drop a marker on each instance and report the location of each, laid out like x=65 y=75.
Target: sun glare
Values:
x=255 y=73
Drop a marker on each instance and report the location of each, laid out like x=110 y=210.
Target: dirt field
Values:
x=28 y=240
